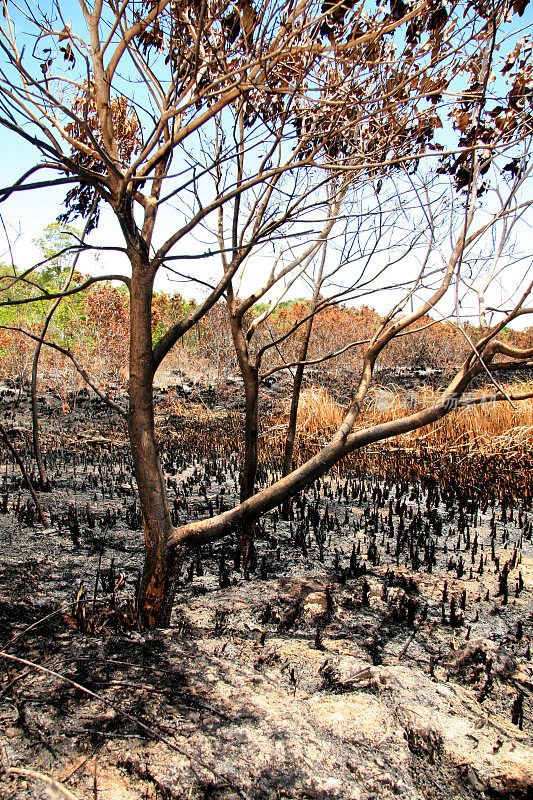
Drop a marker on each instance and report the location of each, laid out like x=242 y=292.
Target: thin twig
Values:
x=38 y=622
x=53 y=783
x=147 y=728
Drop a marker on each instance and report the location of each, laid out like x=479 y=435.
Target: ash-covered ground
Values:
x=380 y=646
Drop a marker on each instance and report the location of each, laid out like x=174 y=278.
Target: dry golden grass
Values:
x=318 y=413
x=489 y=429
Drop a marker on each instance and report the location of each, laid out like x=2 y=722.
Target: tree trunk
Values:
x=298 y=378
x=290 y=438
x=157 y=590
x=44 y=483
x=245 y=544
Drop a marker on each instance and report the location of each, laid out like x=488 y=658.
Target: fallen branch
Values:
x=55 y=785
x=147 y=728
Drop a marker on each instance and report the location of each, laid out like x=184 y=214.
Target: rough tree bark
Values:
x=156 y=591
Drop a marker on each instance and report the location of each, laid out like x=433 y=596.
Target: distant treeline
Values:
x=93 y=326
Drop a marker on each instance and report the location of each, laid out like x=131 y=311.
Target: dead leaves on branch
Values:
x=126 y=127
x=363 y=94
x=90 y=154
x=242 y=21
x=519 y=6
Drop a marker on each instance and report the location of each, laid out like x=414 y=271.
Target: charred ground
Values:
x=379 y=647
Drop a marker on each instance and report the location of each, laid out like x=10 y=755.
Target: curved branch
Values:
x=340 y=445
x=496 y=397
x=167 y=342
x=76 y=290
x=66 y=352
x=8 y=444
x=20 y=186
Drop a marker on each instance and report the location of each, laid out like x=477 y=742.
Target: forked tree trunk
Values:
x=156 y=591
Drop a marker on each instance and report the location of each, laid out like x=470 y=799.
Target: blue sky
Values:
x=26 y=214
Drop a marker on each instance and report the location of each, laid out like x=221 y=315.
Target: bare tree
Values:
x=288 y=107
